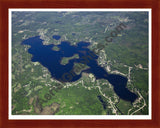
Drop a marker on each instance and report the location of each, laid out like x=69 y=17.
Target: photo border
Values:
x=74 y=117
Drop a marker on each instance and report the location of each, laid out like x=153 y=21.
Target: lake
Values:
x=51 y=59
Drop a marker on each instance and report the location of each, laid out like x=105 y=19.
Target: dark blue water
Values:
x=58 y=22
x=51 y=59
x=56 y=37
x=73 y=34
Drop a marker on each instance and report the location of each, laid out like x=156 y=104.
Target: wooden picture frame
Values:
x=4 y=42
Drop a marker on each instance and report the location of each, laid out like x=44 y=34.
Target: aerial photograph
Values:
x=79 y=62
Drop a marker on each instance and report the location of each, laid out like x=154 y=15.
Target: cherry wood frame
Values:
x=6 y=4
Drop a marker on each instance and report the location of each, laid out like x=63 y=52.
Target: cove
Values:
x=51 y=59
x=56 y=37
